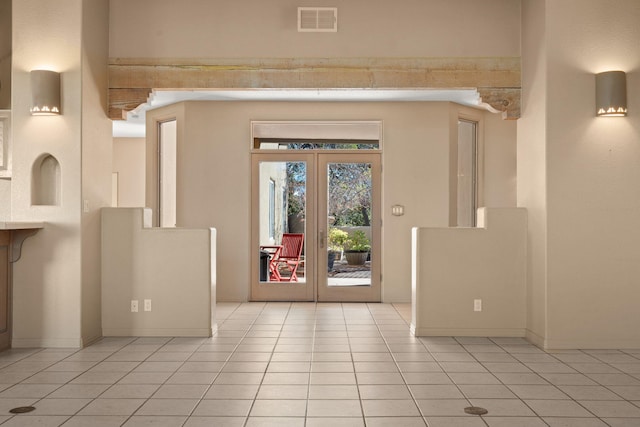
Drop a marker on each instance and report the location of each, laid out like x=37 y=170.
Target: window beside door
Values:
x=168 y=159
x=467 y=203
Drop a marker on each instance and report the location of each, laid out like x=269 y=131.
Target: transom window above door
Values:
x=360 y=135
x=314 y=144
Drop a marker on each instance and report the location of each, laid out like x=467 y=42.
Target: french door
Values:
x=333 y=200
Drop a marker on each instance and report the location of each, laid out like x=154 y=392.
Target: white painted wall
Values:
x=56 y=279
x=416 y=165
x=174 y=268
x=5 y=54
x=5 y=199
x=214 y=177
x=50 y=293
x=128 y=162
x=366 y=28
x=499 y=174
x=47 y=279
x=97 y=153
x=593 y=194
x=580 y=174
x=531 y=161
x=453 y=267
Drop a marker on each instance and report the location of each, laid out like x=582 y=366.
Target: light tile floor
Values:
x=316 y=365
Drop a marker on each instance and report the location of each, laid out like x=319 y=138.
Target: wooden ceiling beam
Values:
x=131 y=80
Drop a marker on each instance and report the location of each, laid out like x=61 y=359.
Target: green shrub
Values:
x=358 y=241
x=337 y=239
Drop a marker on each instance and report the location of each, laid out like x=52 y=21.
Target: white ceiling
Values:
x=134 y=126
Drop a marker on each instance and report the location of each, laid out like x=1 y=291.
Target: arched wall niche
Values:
x=46 y=181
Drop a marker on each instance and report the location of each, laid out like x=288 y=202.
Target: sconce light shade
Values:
x=45 y=93
x=611 y=94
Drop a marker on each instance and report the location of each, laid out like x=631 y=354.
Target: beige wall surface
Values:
x=174 y=268
x=500 y=156
x=366 y=28
x=454 y=267
x=5 y=54
x=578 y=174
x=214 y=177
x=5 y=199
x=56 y=282
x=416 y=169
x=531 y=161
x=593 y=194
x=97 y=155
x=47 y=279
x=128 y=162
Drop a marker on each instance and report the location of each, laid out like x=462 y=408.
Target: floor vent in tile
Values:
x=22 y=409
x=475 y=410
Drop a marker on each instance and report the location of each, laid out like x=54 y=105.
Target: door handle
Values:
x=321 y=239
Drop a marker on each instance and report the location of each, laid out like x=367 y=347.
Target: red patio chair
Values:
x=288 y=256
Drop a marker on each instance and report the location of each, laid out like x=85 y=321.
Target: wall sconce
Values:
x=45 y=93
x=611 y=94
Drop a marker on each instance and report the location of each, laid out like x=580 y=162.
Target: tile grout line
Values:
x=38 y=400
x=227 y=359
x=353 y=363
x=402 y=374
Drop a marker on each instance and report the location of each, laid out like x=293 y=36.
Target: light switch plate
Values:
x=397 y=210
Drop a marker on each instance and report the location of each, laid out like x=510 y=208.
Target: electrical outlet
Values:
x=477 y=305
x=134 y=305
x=147 y=305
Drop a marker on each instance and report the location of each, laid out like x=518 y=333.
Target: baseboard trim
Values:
x=161 y=332
x=466 y=332
x=87 y=342
x=535 y=339
x=598 y=344
x=46 y=343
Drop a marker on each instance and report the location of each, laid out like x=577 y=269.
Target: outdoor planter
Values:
x=356 y=257
x=357 y=248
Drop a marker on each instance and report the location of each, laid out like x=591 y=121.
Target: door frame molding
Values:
x=152 y=146
x=286 y=291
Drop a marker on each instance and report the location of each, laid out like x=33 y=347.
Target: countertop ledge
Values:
x=20 y=225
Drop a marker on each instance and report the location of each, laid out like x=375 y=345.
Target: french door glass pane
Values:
x=282 y=211
x=349 y=204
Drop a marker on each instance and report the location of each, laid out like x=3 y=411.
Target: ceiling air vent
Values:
x=318 y=19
